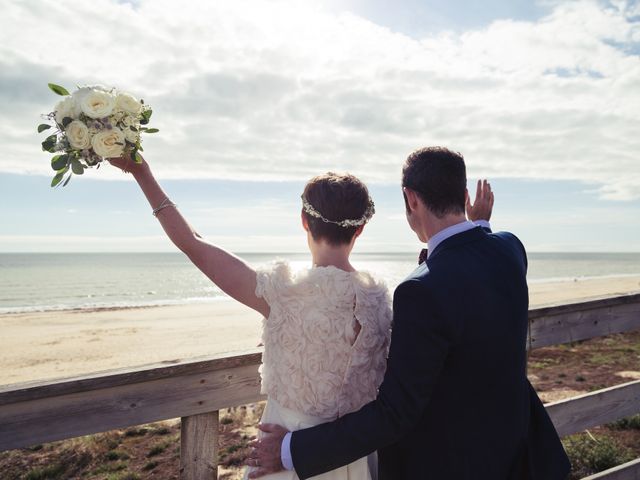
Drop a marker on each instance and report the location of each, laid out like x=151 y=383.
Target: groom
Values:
x=455 y=403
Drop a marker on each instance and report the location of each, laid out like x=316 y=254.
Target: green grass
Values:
x=158 y=448
x=123 y=476
x=597 y=386
x=542 y=362
x=50 y=472
x=150 y=465
x=116 y=455
x=162 y=431
x=629 y=423
x=590 y=455
x=136 y=432
x=604 y=358
x=110 y=467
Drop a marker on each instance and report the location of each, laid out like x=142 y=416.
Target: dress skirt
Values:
x=275 y=413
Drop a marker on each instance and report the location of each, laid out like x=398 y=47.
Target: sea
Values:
x=31 y=282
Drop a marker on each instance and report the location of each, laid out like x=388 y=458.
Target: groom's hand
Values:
x=265 y=452
x=483 y=205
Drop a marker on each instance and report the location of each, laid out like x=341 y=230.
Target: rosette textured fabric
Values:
x=314 y=361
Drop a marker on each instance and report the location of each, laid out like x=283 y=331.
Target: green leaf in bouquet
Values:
x=58 y=176
x=67 y=180
x=42 y=127
x=59 y=161
x=151 y=130
x=49 y=143
x=135 y=156
x=146 y=116
x=66 y=121
x=58 y=89
x=77 y=167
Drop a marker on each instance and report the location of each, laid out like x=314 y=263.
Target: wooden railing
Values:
x=195 y=390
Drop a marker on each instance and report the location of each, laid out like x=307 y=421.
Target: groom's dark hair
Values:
x=439 y=177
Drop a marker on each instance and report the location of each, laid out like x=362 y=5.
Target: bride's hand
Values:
x=125 y=164
x=483 y=205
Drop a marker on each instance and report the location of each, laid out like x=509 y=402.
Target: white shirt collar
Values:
x=448 y=232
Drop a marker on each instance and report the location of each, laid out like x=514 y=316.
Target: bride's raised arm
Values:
x=230 y=273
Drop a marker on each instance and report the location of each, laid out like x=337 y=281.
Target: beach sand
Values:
x=46 y=345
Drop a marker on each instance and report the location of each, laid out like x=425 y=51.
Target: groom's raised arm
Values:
x=419 y=346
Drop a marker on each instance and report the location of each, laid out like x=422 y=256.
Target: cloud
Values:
x=283 y=90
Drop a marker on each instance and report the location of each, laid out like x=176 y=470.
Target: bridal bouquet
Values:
x=91 y=124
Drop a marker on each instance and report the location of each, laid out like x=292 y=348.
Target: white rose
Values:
x=97 y=104
x=108 y=143
x=116 y=117
x=128 y=103
x=131 y=135
x=78 y=135
x=82 y=91
x=67 y=108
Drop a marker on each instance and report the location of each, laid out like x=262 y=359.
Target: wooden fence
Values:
x=195 y=390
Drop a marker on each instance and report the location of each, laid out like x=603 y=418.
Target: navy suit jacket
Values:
x=455 y=403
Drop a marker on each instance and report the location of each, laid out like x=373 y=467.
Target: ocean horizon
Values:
x=31 y=282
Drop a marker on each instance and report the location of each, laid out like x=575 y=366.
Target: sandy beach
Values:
x=45 y=345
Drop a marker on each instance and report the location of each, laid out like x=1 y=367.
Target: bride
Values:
x=326 y=329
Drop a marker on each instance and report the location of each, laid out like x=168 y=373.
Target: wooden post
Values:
x=199 y=447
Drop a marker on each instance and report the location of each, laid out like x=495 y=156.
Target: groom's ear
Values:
x=410 y=199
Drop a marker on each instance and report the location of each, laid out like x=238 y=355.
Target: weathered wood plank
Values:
x=54 y=418
x=609 y=301
x=596 y=408
x=20 y=392
x=199 y=447
x=626 y=471
x=556 y=325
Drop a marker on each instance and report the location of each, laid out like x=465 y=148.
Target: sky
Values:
x=252 y=98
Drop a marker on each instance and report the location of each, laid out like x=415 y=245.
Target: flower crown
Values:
x=368 y=213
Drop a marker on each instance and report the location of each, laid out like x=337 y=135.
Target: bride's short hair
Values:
x=336 y=197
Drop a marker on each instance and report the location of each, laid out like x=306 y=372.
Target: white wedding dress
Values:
x=315 y=367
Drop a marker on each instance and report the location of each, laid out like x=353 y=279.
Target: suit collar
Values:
x=450 y=231
x=458 y=239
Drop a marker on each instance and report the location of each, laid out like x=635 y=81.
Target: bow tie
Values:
x=422 y=257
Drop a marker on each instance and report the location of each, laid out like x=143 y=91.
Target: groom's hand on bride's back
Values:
x=265 y=452
x=483 y=204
